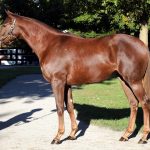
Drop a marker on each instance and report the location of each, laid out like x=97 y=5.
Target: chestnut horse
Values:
x=67 y=60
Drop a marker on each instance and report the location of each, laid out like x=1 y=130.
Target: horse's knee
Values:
x=60 y=111
x=134 y=104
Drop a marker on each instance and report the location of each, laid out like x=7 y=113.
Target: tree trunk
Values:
x=143 y=36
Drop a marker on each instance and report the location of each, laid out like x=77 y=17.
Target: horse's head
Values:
x=8 y=31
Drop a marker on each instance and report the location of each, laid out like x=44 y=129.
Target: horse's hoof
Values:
x=141 y=141
x=56 y=141
x=123 y=139
x=71 y=138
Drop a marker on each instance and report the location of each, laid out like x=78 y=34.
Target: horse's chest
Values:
x=53 y=70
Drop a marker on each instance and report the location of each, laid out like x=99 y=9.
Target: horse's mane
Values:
x=38 y=23
x=43 y=25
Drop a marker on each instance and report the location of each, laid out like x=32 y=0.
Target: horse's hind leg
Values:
x=133 y=111
x=70 y=109
x=140 y=94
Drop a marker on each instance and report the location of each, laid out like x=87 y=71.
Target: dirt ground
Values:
x=28 y=121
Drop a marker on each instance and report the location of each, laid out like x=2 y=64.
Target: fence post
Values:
x=18 y=56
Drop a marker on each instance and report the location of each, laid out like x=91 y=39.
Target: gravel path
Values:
x=28 y=121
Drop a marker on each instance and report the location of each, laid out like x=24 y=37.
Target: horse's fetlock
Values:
x=62 y=131
x=146 y=131
x=129 y=131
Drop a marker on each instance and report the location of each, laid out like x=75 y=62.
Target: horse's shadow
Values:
x=88 y=112
x=21 y=118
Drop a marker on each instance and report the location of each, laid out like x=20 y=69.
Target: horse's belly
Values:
x=89 y=75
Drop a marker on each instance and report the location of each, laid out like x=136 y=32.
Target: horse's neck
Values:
x=36 y=37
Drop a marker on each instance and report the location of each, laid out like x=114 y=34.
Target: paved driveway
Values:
x=28 y=121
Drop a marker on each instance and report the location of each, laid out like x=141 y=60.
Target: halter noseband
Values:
x=9 y=33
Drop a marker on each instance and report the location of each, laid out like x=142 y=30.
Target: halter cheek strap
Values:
x=12 y=27
x=9 y=33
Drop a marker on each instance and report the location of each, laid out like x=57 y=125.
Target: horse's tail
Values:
x=146 y=80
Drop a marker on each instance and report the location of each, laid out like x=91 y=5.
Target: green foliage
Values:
x=109 y=15
x=125 y=23
x=138 y=11
x=97 y=16
x=89 y=34
x=90 y=18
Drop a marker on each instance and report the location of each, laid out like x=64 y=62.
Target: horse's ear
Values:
x=9 y=14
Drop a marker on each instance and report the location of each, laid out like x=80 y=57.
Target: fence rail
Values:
x=17 y=57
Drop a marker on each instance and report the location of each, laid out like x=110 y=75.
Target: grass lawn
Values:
x=104 y=104
x=100 y=104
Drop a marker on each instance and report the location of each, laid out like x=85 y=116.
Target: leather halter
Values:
x=9 y=33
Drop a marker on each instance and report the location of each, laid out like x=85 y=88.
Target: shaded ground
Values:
x=28 y=121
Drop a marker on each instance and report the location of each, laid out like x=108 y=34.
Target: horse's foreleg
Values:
x=58 y=87
x=133 y=111
x=70 y=109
